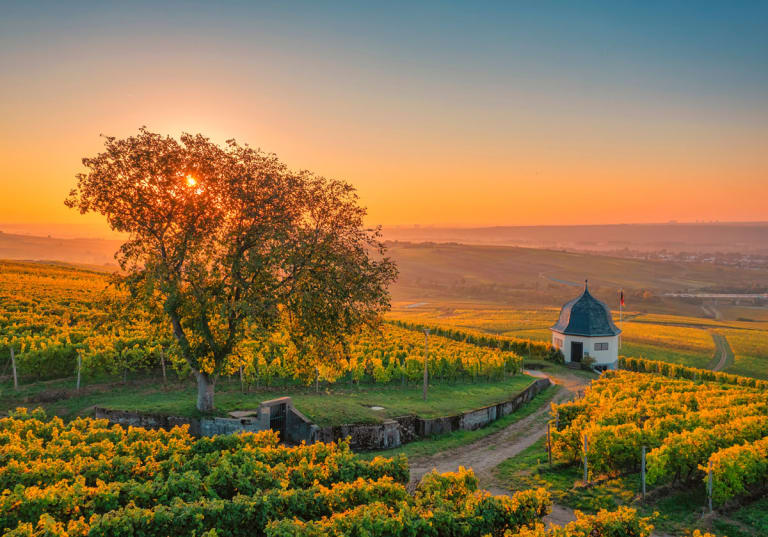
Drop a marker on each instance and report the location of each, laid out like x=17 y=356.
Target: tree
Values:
x=227 y=241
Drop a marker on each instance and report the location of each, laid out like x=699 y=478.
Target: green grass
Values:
x=440 y=443
x=353 y=406
x=675 y=512
x=750 y=348
x=665 y=354
x=332 y=406
x=746 y=521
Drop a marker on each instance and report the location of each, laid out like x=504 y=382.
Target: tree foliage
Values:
x=227 y=241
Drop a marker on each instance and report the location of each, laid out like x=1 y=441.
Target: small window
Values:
x=601 y=346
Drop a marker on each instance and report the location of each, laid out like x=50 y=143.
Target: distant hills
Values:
x=514 y=275
x=98 y=252
x=442 y=269
x=715 y=237
x=750 y=237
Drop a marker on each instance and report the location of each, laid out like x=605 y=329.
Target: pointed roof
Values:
x=586 y=316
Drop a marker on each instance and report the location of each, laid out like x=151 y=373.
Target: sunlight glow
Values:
x=191 y=181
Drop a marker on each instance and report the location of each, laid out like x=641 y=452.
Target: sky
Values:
x=440 y=113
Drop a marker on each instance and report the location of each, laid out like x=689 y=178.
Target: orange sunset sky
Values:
x=440 y=114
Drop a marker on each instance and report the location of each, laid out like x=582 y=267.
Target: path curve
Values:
x=723 y=352
x=488 y=452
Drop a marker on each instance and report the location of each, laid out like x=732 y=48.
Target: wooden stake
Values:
x=586 y=472
x=549 y=444
x=162 y=363
x=709 y=486
x=426 y=360
x=13 y=368
x=642 y=472
x=79 y=367
x=242 y=386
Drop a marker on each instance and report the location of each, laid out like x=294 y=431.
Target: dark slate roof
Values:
x=586 y=316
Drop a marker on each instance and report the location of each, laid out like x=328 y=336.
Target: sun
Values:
x=191 y=181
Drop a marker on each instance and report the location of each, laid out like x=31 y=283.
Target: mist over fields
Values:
x=434 y=267
x=747 y=237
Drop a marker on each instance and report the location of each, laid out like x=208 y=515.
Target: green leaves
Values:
x=224 y=238
x=88 y=478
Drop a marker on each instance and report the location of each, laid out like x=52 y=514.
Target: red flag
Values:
x=621 y=297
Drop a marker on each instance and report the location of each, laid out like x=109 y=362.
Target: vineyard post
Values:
x=426 y=360
x=642 y=471
x=317 y=379
x=586 y=472
x=79 y=367
x=242 y=386
x=709 y=486
x=162 y=363
x=549 y=443
x=13 y=368
x=621 y=316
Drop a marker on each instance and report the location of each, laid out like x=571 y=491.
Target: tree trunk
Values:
x=204 y=392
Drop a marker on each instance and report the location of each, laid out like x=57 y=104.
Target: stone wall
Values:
x=388 y=434
x=212 y=427
x=146 y=420
x=365 y=436
x=297 y=427
x=404 y=429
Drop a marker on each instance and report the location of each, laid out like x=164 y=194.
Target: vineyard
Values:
x=88 y=478
x=51 y=315
x=681 y=339
x=693 y=430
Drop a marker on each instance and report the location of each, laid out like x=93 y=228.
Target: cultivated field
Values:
x=49 y=315
x=685 y=426
x=679 y=339
x=52 y=313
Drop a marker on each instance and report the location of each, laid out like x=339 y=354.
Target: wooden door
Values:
x=577 y=351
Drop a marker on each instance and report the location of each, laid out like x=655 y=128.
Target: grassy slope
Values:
x=439 y=443
x=750 y=348
x=457 y=271
x=332 y=406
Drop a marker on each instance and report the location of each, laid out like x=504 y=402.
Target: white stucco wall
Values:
x=607 y=357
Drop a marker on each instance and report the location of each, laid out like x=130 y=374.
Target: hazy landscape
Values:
x=414 y=269
x=736 y=237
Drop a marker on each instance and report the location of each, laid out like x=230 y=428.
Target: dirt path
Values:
x=723 y=353
x=488 y=452
x=711 y=311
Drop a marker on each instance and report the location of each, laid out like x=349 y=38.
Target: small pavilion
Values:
x=586 y=328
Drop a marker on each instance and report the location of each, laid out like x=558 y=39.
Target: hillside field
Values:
x=383 y=370
x=680 y=339
x=525 y=276
x=50 y=308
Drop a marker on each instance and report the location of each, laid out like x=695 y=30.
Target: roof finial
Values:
x=586 y=285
